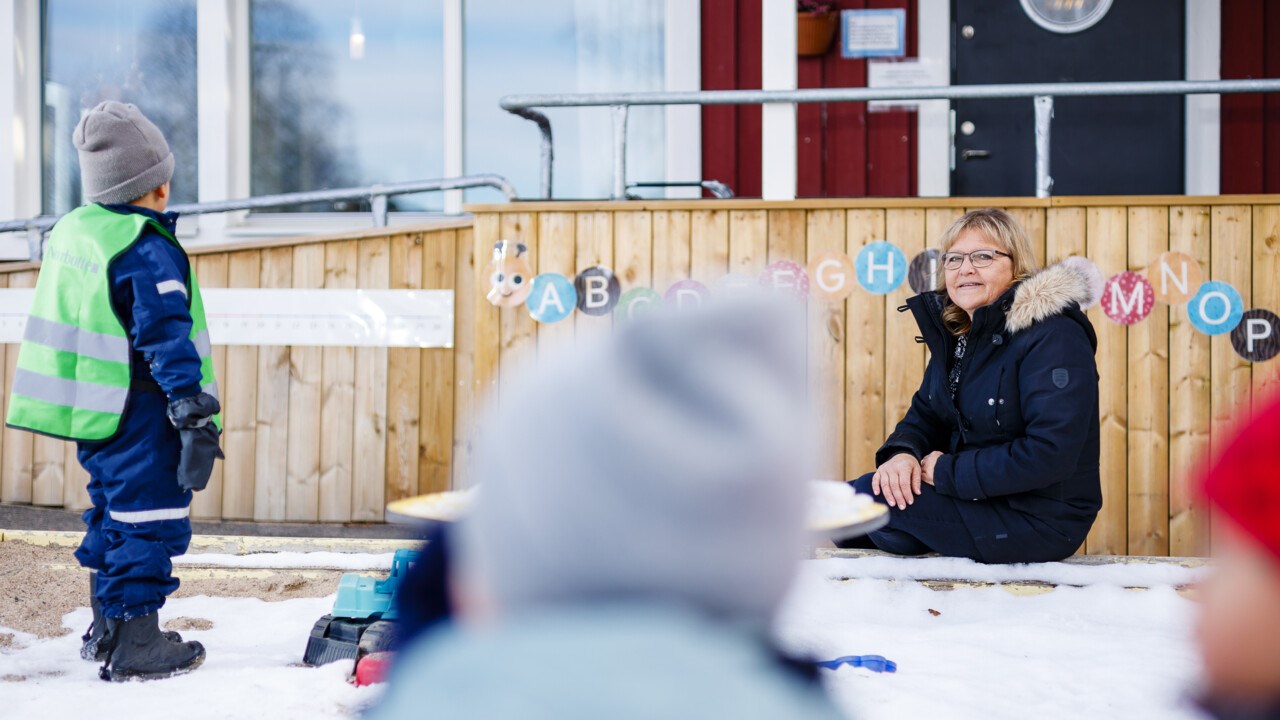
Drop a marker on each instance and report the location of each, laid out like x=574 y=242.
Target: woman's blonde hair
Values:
x=1001 y=230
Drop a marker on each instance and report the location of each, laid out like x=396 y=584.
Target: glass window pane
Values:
x=562 y=46
x=140 y=51
x=346 y=93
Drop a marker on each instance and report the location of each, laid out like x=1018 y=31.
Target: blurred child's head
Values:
x=1240 y=612
x=665 y=464
x=124 y=158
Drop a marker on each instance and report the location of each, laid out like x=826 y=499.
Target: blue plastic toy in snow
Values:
x=363 y=617
x=874 y=663
x=364 y=597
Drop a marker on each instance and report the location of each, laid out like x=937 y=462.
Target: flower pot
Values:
x=814 y=32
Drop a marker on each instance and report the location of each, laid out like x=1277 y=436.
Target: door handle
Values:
x=968 y=154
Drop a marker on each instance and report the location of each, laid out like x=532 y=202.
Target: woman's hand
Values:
x=898 y=480
x=927 y=465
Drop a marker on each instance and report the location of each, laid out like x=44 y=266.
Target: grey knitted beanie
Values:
x=123 y=156
x=666 y=463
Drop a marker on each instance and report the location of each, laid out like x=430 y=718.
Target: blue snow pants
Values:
x=139 y=519
x=931 y=524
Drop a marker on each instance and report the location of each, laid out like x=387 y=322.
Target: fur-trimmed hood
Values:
x=1050 y=292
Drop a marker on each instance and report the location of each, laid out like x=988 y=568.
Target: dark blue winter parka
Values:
x=1020 y=441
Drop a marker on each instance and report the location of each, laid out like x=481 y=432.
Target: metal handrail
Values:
x=717 y=189
x=523 y=105
x=376 y=194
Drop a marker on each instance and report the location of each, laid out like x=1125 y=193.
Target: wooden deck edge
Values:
x=1086 y=560
x=863 y=203
x=230 y=544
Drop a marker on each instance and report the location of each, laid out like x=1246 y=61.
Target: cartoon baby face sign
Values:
x=510 y=277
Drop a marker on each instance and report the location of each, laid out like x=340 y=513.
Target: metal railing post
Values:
x=1044 y=123
x=547 y=152
x=379 y=205
x=620 y=152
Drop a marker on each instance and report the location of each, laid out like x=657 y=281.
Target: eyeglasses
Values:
x=978 y=258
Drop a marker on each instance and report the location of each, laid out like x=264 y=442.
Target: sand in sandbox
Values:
x=35 y=595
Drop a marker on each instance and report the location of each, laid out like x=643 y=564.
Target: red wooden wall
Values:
x=1250 y=123
x=842 y=150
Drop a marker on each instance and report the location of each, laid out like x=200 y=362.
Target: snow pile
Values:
x=253 y=670
x=290 y=560
x=1074 y=652
x=1095 y=651
x=1130 y=574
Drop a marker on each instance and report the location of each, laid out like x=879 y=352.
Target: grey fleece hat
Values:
x=666 y=463
x=123 y=155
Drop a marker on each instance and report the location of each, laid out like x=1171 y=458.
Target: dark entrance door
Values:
x=1100 y=146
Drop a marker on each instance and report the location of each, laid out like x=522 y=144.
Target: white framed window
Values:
x=271 y=96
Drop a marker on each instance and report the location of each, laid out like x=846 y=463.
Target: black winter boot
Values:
x=94 y=648
x=139 y=650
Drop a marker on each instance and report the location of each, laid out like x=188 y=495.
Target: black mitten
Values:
x=199 y=450
x=191 y=416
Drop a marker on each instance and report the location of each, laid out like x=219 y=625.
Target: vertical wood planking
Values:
x=404 y=380
x=1032 y=221
x=864 y=354
x=76 y=489
x=1189 y=400
x=464 y=352
x=1106 y=232
x=369 y=442
x=48 y=476
x=1064 y=233
x=748 y=242
x=435 y=429
x=486 y=322
x=557 y=253
x=1231 y=252
x=338 y=401
x=904 y=357
x=272 y=446
x=212 y=272
x=519 y=341
x=1064 y=236
x=825 y=232
x=1148 y=451
x=672 y=248
x=786 y=236
x=302 y=461
x=1231 y=227
x=635 y=249
x=595 y=247
x=239 y=405
x=19 y=445
x=709 y=245
x=48 y=460
x=1266 y=291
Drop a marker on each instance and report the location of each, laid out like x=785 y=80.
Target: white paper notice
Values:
x=902 y=74
x=343 y=318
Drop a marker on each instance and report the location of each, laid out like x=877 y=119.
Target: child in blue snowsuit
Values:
x=143 y=476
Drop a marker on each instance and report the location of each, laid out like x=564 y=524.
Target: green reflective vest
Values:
x=74 y=370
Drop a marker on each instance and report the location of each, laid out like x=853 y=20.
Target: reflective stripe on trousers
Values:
x=142 y=516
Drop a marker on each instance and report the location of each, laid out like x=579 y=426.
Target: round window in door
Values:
x=1066 y=16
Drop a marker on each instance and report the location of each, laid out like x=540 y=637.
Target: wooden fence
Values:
x=332 y=434
x=1168 y=392
x=310 y=434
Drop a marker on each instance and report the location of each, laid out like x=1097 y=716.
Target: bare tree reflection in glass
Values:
x=297 y=130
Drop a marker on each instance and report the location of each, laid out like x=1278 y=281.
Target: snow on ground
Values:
x=1092 y=651
x=1099 y=651
x=253 y=669
x=292 y=560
